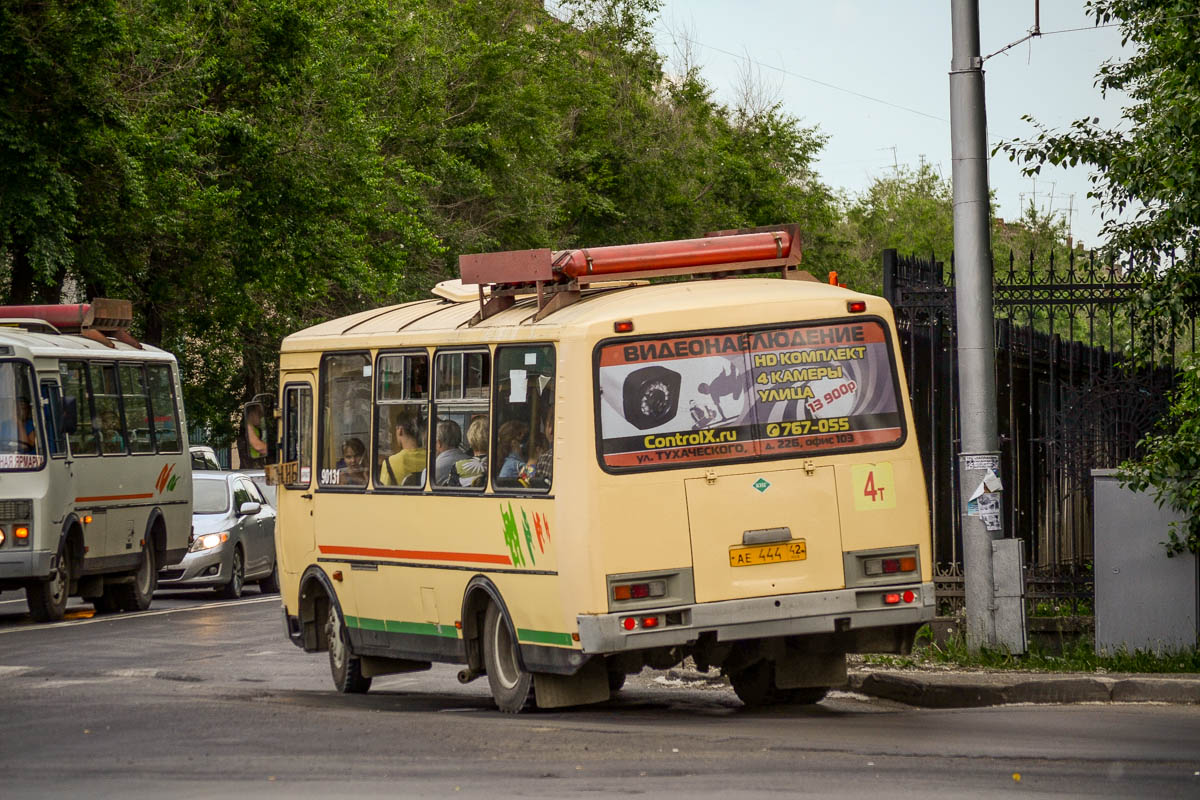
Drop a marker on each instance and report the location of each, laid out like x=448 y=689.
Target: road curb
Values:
x=974 y=690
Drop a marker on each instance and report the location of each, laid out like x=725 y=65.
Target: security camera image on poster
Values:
x=746 y=394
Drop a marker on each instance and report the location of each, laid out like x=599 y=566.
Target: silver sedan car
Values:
x=233 y=538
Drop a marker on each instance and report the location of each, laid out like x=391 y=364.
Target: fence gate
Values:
x=1069 y=402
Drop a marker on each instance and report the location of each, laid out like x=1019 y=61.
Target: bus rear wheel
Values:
x=48 y=599
x=511 y=684
x=139 y=593
x=345 y=667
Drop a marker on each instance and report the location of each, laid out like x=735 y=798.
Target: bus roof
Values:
x=65 y=345
x=439 y=317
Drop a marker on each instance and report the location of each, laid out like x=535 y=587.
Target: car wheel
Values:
x=47 y=599
x=511 y=684
x=138 y=595
x=270 y=584
x=237 y=576
x=345 y=667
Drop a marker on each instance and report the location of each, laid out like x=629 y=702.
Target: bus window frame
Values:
x=129 y=451
x=91 y=409
x=126 y=450
x=319 y=429
x=415 y=350
x=824 y=321
x=460 y=491
x=54 y=385
x=171 y=384
x=494 y=433
x=299 y=386
x=35 y=396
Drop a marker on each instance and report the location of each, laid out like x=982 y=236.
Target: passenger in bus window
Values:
x=27 y=440
x=511 y=438
x=472 y=471
x=352 y=471
x=448 y=443
x=540 y=472
x=111 y=438
x=406 y=466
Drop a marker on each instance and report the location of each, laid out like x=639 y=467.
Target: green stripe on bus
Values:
x=544 y=637
x=397 y=626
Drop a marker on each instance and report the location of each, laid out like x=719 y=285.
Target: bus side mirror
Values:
x=69 y=414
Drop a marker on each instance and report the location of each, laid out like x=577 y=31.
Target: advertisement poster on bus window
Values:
x=767 y=393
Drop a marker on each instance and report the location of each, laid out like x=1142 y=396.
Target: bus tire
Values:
x=345 y=667
x=47 y=599
x=270 y=584
x=237 y=576
x=804 y=696
x=755 y=684
x=137 y=595
x=511 y=684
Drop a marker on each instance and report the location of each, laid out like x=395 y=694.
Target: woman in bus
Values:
x=511 y=438
x=408 y=461
x=473 y=471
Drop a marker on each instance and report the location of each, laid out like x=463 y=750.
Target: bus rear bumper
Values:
x=758 y=618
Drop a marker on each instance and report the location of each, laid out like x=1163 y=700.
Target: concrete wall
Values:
x=1144 y=600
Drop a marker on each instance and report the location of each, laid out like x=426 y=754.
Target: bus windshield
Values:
x=20 y=442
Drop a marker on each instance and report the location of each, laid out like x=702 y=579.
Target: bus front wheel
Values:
x=345 y=667
x=48 y=599
x=509 y=681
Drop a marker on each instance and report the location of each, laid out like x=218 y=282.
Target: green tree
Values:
x=1146 y=179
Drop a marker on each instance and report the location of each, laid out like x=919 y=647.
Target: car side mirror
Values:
x=70 y=415
x=248 y=508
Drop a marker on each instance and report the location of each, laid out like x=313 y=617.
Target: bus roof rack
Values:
x=557 y=277
x=98 y=320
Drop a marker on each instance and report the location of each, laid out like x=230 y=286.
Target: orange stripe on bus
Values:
x=429 y=555
x=113 y=497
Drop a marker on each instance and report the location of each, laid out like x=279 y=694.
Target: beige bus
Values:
x=557 y=472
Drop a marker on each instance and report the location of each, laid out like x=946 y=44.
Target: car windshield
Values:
x=20 y=444
x=210 y=496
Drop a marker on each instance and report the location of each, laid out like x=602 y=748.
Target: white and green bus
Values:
x=95 y=477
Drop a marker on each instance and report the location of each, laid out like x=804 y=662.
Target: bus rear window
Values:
x=746 y=394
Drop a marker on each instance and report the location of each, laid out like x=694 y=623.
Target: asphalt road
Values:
x=200 y=697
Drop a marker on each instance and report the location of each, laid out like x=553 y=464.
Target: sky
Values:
x=874 y=76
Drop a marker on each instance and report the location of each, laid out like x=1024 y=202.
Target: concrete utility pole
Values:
x=989 y=560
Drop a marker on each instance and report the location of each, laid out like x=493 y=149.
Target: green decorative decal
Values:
x=528 y=536
x=762 y=484
x=511 y=538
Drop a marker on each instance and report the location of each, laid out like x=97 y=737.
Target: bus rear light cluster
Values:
x=888 y=566
x=636 y=591
x=650 y=621
x=895 y=598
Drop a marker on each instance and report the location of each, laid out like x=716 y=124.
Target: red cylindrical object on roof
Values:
x=621 y=258
x=72 y=316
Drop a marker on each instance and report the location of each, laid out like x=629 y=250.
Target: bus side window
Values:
x=109 y=419
x=345 y=418
x=163 y=408
x=460 y=391
x=52 y=414
x=137 y=408
x=297 y=436
x=523 y=404
x=401 y=420
x=85 y=441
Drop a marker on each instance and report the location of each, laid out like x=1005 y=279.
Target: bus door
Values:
x=294 y=525
x=59 y=489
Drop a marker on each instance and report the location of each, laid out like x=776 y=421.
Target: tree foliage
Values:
x=242 y=170
x=1146 y=179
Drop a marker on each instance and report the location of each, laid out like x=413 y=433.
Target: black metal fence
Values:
x=1070 y=401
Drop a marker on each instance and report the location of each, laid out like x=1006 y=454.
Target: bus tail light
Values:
x=649 y=622
x=637 y=591
x=856 y=306
x=891 y=598
x=21 y=535
x=888 y=566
